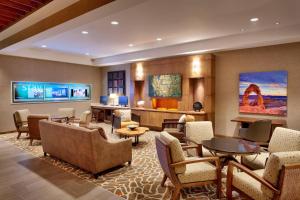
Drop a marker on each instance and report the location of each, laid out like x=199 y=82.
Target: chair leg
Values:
x=19 y=134
x=30 y=143
x=219 y=188
x=176 y=193
x=163 y=180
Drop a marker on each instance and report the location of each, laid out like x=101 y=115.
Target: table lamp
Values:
x=113 y=96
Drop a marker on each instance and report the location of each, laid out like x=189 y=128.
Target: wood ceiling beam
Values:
x=66 y=14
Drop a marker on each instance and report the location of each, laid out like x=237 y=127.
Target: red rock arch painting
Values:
x=253 y=88
x=263 y=93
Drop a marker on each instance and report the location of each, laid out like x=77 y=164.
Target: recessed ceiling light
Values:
x=255 y=19
x=242 y=30
x=277 y=23
x=44 y=46
x=130 y=45
x=85 y=32
x=114 y=22
x=87 y=54
x=158 y=39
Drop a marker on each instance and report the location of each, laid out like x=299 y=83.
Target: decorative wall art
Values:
x=263 y=93
x=25 y=91
x=168 y=85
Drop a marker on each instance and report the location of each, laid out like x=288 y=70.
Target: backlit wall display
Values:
x=23 y=91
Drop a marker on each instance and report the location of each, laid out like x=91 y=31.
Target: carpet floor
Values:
x=140 y=180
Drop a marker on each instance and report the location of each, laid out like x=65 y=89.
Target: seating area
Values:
x=149 y=100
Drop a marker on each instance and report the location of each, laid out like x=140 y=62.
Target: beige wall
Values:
x=230 y=64
x=24 y=69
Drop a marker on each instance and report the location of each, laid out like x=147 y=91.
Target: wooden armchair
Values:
x=279 y=180
x=185 y=172
x=124 y=117
x=33 y=126
x=174 y=127
x=282 y=140
x=20 y=120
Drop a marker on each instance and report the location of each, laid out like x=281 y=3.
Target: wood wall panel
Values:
x=177 y=65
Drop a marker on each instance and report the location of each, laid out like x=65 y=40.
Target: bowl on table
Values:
x=132 y=127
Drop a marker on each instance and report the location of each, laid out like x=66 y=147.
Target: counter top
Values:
x=170 y=111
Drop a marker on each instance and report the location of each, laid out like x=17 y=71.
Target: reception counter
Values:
x=104 y=112
x=153 y=118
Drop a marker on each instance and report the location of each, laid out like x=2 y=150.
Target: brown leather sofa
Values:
x=84 y=148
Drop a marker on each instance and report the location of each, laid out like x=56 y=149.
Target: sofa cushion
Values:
x=177 y=154
x=284 y=139
x=256 y=161
x=195 y=172
x=250 y=186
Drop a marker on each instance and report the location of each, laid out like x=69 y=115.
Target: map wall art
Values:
x=168 y=85
x=263 y=93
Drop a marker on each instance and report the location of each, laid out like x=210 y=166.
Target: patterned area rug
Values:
x=140 y=180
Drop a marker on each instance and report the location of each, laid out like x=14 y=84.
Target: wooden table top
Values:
x=280 y=122
x=136 y=132
x=231 y=146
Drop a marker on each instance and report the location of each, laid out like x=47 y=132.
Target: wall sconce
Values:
x=139 y=72
x=196 y=70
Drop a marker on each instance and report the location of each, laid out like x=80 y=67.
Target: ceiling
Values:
x=185 y=26
x=12 y=11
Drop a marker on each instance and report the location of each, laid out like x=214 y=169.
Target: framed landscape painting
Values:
x=263 y=93
x=168 y=85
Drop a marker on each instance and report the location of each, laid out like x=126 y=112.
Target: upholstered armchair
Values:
x=33 y=126
x=196 y=132
x=283 y=139
x=68 y=113
x=123 y=117
x=85 y=118
x=185 y=172
x=279 y=180
x=258 y=132
x=20 y=120
x=176 y=127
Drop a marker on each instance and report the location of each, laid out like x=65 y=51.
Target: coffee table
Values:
x=126 y=132
x=230 y=147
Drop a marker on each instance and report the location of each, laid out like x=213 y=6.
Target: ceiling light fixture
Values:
x=158 y=39
x=255 y=19
x=242 y=30
x=130 y=45
x=114 y=22
x=277 y=23
x=84 y=32
x=87 y=54
x=44 y=46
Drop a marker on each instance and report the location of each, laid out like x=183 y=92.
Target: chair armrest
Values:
x=197 y=160
x=171 y=124
x=233 y=164
x=190 y=140
x=171 y=120
x=185 y=147
x=135 y=117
